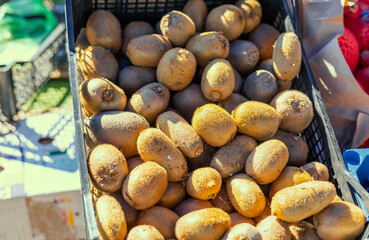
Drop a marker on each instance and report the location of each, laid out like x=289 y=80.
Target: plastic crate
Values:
x=319 y=135
x=20 y=80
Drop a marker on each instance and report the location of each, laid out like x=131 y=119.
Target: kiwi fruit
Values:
x=154 y=145
x=176 y=69
x=226 y=18
x=231 y=158
x=237 y=218
x=265 y=213
x=274 y=228
x=238 y=82
x=173 y=195
x=110 y=219
x=267 y=65
x=243 y=55
x=149 y=101
x=297 y=147
x=222 y=201
x=232 y=102
x=295 y=109
x=132 y=78
x=208 y=46
x=287 y=56
x=181 y=133
x=242 y=231
x=144 y=194
x=317 y=170
x=252 y=12
x=144 y=232
x=129 y=212
x=177 y=27
x=117 y=128
x=97 y=62
x=147 y=50
x=133 y=162
x=203 y=160
x=217 y=82
x=197 y=11
x=264 y=37
x=99 y=95
x=214 y=124
x=203 y=183
x=303 y=230
x=188 y=100
x=161 y=218
x=133 y=30
x=191 y=205
x=107 y=167
x=257 y=120
x=266 y=162
x=260 y=86
x=103 y=29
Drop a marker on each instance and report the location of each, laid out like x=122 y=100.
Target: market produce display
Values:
x=198 y=138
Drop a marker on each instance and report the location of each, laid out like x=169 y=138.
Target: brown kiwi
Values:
x=267 y=64
x=173 y=195
x=274 y=228
x=190 y=205
x=243 y=55
x=237 y=218
x=238 y=81
x=132 y=78
x=144 y=232
x=260 y=86
x=232 y=102
x=197 y=11
x=133 y=162
x=264 y=37
x=204 y=183
x=252 y=13
x=133 y=30
x=204 y=159
x=222 y=201
x=129 y=212
x=317 y=170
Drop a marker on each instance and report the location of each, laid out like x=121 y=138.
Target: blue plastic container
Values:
x=357 y=163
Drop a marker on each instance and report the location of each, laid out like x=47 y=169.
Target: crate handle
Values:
x=357 y=186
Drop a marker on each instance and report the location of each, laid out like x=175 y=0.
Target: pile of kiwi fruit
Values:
x=193 y=131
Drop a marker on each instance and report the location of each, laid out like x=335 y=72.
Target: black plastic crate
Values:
x=323 y=146
x=20 y=80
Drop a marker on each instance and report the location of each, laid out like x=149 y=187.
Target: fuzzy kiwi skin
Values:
x=208 y=46
x=129 y=212
x=257 y=120
x=117 y=128
x=297 y=147
x=173 y=195
x=242 y=231
x=264 y=37
x=176 y=69
x=238 y=81
x=97 y=62
x=267 y=65
x=274 y=228
x=230 y=158
x=191 y=205
x=264 y=214
x=209 y=223
x=340 y=220
x=317 y=170
x=266 y=162
x=147 y=50
x=177 y=27
x=154 y=145
x=237 y=218
x=232 y=102
x=245 y=195
x=287 y=56
x=260 y=86
x=203 y=160
x=197 y=11
x=133 y=162
x=290 y=176
x=295 y=109
x=204 y=183
x=144 y=232
x=104 y=29
x=133 y=30
x=303 y=230
x=110 y=219
x=188 y=100
x=132 y=78
x=144 y=194
x=149 y=101
x=214 y=124
x=293 y=204
x=222 y=201
x=243 y=55
x=217 y=81
x=181 y=133
x=161 y=218
x=252 y=13
x=107 y=168
x=226 y=18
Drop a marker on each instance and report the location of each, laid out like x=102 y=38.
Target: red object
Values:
x=362 y=77
x=350 y=49
x=364 y=58
x=356 y=18
x=365 y=144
